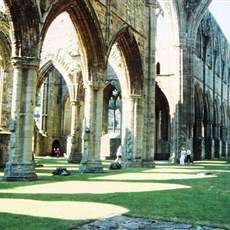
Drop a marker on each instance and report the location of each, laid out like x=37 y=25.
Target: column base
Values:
x=20 y=171
x=91 y=167
x=76 y=158
x=148 y=164
x=138 y=164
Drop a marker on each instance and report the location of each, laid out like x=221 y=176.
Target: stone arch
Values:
x=25 y=32
x=199 y=104
x=49 y=66
x=199 y=41
x=217 y=56
x=55 y=145
x=158 y=68
x=208 y=115
x=5 y=48
x=172 y=20
x=163 y=128
x=126 y=43
x=195 y=18
x=88 y=30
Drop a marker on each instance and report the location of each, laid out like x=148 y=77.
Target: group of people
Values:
x=57 y=152
x=185 y=156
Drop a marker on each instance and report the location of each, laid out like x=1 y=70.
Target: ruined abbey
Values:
x=86 y=76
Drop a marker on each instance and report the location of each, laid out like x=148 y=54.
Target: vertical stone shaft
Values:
x=20 y=165
x=98 y=121
x=74 y=124
x=149 y=123
x=92 y=129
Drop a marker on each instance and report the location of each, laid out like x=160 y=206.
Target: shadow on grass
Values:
x=167 y=192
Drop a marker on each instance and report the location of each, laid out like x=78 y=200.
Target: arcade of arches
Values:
x=86 y=76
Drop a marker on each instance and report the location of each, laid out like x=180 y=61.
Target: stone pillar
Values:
x=75 y=155
x=198 y=148
x=92 y=128
x=20 y=166
x=218 y=145
x=133 y=139
x=224 y=140
x=149 y=82
x=4 y=143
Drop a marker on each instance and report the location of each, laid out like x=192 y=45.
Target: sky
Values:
x=221 y=11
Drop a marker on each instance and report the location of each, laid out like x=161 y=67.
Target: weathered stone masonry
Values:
x=174 y=89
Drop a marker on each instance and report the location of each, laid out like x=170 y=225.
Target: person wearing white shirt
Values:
x=182 y=156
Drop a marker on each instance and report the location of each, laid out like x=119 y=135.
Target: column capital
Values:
x=96 y=85
x=25 y=62
x=75 y=103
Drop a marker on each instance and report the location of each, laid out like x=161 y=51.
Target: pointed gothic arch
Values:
x=128 y=47
x=163 y=128
x=84 y=19
x=5 y=43
x=24 y=31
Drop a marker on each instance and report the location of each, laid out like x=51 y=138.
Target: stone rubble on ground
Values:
x=129 y=223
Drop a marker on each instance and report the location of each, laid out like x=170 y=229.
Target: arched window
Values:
x=158 y=67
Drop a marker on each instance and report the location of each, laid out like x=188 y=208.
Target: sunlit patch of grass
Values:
x=197 y=198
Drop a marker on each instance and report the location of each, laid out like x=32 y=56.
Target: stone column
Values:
x=149 y=82
x=198 y=150
x=20 y=166
x=92 y=128
x=224 y=140
x=74 y=156
x=133 y=139
x=218 y=145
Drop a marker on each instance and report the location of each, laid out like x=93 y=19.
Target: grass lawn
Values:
x=197 y=194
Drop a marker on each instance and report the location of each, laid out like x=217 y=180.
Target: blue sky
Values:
x=221 y=11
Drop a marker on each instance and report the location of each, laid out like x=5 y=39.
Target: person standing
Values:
x=188 y=156
x=182 y=156
x=119 y=154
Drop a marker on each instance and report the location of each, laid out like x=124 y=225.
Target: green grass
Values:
x=206 y=202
